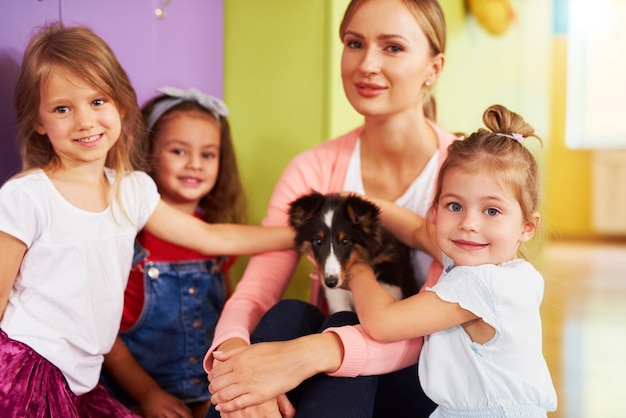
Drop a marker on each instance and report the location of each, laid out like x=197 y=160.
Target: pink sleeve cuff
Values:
x=355 y=351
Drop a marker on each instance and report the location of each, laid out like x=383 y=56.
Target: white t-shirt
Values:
x=508 y=375
x=66 y=302
x=417 y=198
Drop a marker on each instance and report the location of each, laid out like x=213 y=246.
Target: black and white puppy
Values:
x=339 y=230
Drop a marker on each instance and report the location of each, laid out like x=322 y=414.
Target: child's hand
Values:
x=160 y=404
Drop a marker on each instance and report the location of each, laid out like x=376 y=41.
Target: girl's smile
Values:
x=469 y=245
x=89 y=140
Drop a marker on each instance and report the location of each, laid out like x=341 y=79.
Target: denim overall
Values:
x=175 y=329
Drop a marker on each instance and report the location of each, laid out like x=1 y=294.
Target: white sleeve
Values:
x=139 y=197
x=19 y=212
x=467 y=287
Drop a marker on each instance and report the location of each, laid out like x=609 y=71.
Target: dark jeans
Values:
x=396 y=394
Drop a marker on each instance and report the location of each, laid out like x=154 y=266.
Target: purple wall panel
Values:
x=183 y=49
x=15 y=29
x=125 y=26
x=188 y=46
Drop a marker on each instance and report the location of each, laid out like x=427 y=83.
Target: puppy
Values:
x=339 y=231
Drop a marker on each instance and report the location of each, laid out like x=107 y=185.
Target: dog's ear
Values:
x=363 y=213
x=302 y=209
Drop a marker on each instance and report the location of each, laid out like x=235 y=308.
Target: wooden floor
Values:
x=584 y=320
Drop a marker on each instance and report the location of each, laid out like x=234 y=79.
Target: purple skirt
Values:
x=31 y=386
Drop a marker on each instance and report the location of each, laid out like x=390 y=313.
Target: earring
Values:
x=428 y=83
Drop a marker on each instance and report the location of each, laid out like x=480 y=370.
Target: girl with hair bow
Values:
x=175 y=294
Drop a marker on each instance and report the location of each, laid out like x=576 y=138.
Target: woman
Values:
x=392 y=56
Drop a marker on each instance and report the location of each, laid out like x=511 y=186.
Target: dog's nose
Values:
x=331 y=281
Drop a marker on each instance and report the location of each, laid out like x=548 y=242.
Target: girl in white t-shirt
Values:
x=68 y=223
x=482 y=352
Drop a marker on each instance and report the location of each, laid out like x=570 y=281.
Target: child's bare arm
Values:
x=408 y=227
x=226 y=239
x=122 y=366
x=388 y=320
x=12 y=252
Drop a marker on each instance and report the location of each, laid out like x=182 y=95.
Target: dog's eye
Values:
x=345 y=242
x=317 y=242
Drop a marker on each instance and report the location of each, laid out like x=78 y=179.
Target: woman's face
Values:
x=386 y=59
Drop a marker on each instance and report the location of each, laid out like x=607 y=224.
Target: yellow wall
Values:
x=567 y=172
x=283 y=86
x=525 y=70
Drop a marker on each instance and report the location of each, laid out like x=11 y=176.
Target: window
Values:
x=596 y=74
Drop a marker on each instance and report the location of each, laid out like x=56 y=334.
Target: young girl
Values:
x=482 y=351
x=69 y=221
x=174 y=295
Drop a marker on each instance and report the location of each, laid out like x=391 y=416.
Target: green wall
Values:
x=275 y=58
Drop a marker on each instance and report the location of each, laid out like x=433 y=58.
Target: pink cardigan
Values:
x=323 y=169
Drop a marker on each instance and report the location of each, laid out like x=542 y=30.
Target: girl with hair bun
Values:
x=482 y=353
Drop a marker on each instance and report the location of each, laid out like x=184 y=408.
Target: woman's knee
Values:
x=288 y=319
x=340 y=319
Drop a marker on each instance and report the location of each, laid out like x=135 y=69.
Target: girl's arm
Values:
x=132 y=378
x=384 y=319
x=12 y=252
x=185 y=230
x=411 y=229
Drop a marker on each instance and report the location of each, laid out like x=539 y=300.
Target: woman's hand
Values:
x=275 y=408
x=245 y=377
x=253 y=375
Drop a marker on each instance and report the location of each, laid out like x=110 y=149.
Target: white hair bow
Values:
x=177 y=96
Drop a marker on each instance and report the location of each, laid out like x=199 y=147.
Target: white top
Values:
x=417 y=198
x=506 y=376
x=67 y=299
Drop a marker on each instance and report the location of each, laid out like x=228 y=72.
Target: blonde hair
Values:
x=78 y=50
x=498 y=150
x=430 y=18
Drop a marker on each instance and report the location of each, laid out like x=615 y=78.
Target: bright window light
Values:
x=596 y=74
